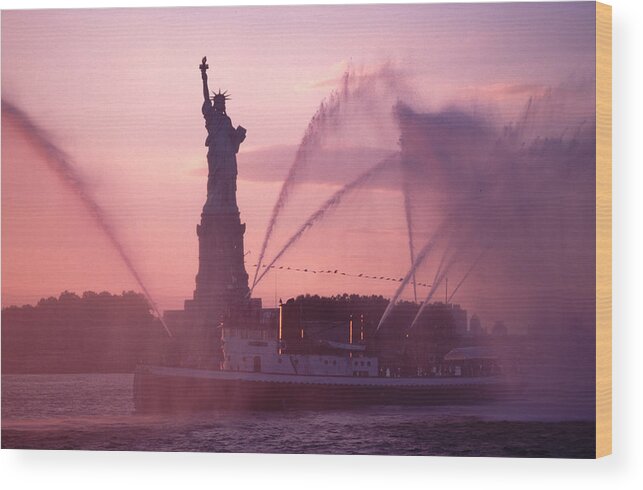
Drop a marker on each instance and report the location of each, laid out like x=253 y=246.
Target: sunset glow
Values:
x=119 y=91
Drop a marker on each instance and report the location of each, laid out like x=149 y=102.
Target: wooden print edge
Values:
x=603 y=229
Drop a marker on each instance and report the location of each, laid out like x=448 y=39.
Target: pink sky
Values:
x=119 y=90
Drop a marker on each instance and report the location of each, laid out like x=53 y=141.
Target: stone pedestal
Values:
x=222 y=281
x=221 y=289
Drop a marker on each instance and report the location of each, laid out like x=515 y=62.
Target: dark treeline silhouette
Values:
x=339 y=307
x=95 y=332
x=104 y=332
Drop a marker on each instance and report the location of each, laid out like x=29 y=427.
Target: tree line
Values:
x=93 y=332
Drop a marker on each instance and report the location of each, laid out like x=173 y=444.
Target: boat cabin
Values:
x=259 y=350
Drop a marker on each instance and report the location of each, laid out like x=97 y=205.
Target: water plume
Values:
x=409 y=230
x=62 y=165
x=353 y=87
x=440 y=275
x=330 y=203
x=419 y=260
x=466 y=275
x=434 y=288
x=327 y=109
x=440 y=265
x=521 y=191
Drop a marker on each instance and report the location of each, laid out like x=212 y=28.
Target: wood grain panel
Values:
x=603 y=229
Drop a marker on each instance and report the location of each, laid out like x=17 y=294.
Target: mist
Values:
x=512 y=199
x=62 y=165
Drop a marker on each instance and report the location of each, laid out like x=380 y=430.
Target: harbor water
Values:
x=551 y=416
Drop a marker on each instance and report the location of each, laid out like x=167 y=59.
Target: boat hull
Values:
x=161 y=389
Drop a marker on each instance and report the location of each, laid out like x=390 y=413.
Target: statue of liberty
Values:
x=223 y=144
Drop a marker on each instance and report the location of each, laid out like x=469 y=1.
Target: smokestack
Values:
x=281 y=318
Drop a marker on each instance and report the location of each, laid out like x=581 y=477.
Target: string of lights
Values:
x=339 y=273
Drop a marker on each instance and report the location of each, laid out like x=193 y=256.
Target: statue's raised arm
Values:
x=223 y=144
x=204 y=76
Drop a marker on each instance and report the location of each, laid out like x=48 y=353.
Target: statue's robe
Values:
x=223 y=144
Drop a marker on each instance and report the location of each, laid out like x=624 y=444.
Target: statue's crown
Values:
x=220 y=95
